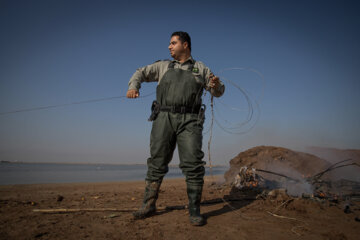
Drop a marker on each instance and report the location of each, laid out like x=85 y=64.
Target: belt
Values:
x=180 y=109
x=156 y=108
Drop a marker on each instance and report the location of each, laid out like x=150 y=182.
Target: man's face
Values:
x=176 y=47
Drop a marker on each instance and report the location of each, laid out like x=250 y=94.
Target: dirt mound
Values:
x=277 y=159
x=334 y=155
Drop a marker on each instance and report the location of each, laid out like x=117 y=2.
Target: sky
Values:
x=298 y=61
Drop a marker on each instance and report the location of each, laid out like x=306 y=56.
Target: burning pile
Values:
x=336 y=190
x=246 y=178
x=277 y=159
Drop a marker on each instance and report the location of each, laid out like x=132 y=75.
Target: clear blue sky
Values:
x=55 y=52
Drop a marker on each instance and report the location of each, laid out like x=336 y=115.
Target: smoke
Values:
x=333 y=155
x=294 y=188
x=297 y=189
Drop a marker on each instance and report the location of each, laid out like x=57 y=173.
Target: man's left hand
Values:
x=214 y=81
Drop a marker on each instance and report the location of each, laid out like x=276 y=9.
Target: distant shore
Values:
x=92 y=163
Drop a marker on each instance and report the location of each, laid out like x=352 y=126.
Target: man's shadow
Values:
x=235 y=200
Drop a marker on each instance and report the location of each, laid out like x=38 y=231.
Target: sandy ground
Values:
x=246 y=219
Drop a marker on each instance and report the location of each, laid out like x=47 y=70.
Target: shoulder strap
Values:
x=171 y=64
x=191 y=67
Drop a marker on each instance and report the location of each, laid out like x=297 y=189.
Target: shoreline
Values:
x=218 y=177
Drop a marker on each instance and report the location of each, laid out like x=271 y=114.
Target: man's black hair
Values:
x=184 y=37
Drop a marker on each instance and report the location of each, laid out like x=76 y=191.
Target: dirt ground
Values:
x=268 y=218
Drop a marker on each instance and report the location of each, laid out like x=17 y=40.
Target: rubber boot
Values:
x=148 y=207
x=194 y=194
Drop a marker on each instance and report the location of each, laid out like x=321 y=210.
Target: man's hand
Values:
x=132 y=93
x=214 y=81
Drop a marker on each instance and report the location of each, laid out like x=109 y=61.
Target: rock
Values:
x=306 y=195
x=347 y=209
x=278 y=192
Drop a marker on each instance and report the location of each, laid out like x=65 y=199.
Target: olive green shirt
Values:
x=154 y=73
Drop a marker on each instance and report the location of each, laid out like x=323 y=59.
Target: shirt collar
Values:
x=190 y=59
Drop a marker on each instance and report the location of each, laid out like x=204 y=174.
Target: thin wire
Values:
x=251 y=70
x=249 y=117
x=230 y=107
x=210 y=166
x=251 y=102
x=68 y=104
x=211 y=133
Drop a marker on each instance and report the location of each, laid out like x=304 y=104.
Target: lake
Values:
x=34 y=173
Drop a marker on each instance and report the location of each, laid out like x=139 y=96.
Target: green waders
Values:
x=179 y=95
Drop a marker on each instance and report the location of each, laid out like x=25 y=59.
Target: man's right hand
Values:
x=132 y=93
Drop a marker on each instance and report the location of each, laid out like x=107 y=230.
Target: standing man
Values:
x=178 y=117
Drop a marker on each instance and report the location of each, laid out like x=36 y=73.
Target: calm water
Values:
x=31 y=173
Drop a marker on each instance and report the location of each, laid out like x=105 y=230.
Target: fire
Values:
x=251 y=184
x=321 y=194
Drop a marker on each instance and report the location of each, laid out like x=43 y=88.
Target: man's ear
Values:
x=186 y=45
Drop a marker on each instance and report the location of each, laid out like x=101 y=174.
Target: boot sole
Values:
x=144 y=216
x=197 y=224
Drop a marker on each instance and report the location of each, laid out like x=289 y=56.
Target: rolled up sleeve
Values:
x=216 y=92
x=149 y=73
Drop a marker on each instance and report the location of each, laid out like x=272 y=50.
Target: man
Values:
x=178 y=117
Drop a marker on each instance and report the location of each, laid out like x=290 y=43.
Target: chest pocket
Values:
x=199 y=78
